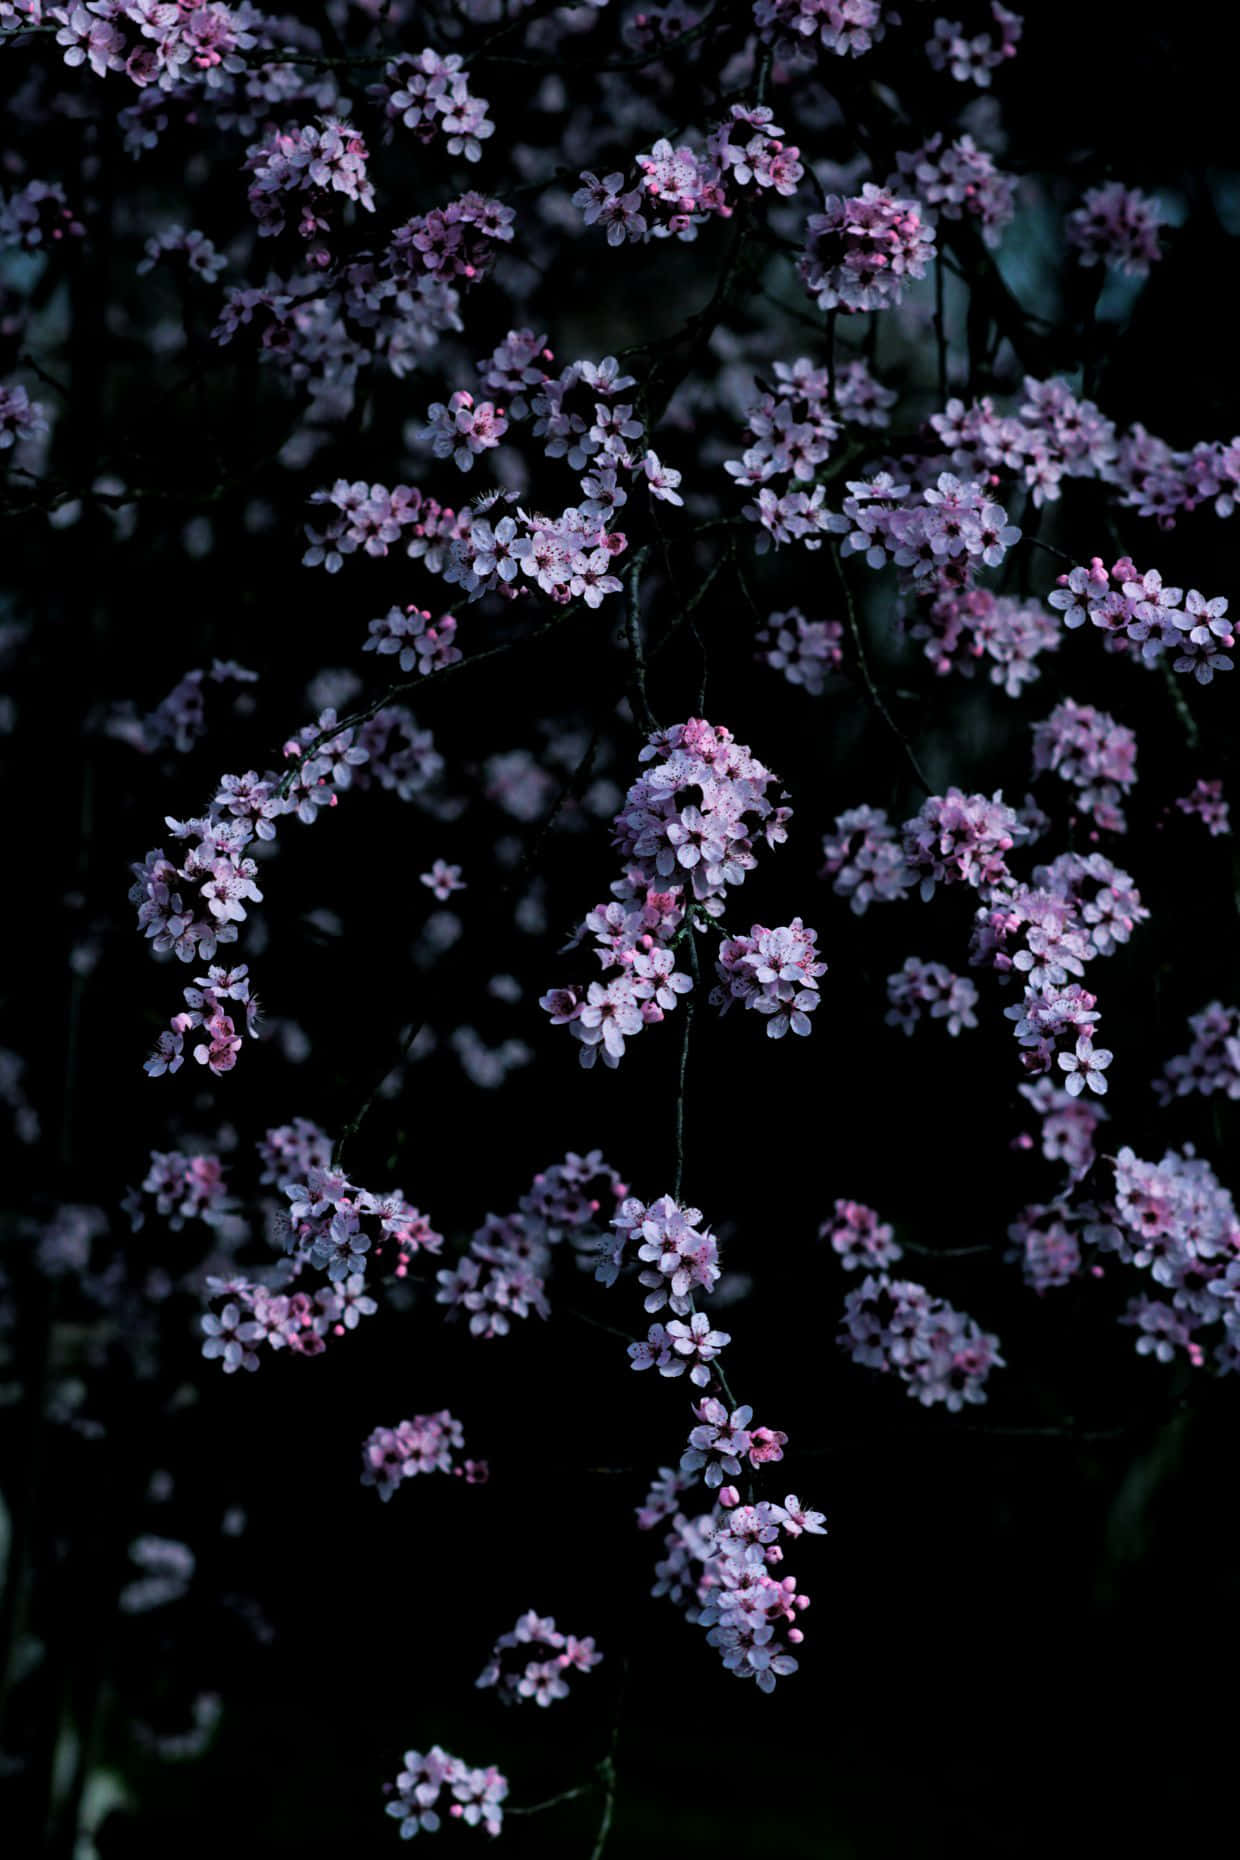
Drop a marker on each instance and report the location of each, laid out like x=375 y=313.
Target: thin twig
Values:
x=940 y=331
x=871 y=689
x=637 y=651
x=687 y=1006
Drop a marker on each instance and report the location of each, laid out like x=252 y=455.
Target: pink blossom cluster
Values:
x=1117 y=226
x=676 y=1255
x=256 y=1313
x=861 y=251
x=210 y=1005
x=938 y=537
x=326 y=1214
x=720 y=1568
x=178 y=721
x=1069 y=1124
x=410 y=633
x=701 y=846
x=388 y=750
x=369 y=517
x=774 y=972
x=461 y=428
x=502 y=1276
x=310 y=163
x=864 y=858
x=1205 y=800
x=426 y=1443
x=475 y=1797
x=973 y=60
x=939 y=1353
x=1092 y=753
x=429 y=93
x=805 y=651
x=1075 y=908
x=192 y=249
x=861 y=1239
x=1156 y=480
x=791 y=430
x=288 y=1152
x=1048 y=1250
x=960 y=181
x=721 y=1442
x=166 y=46
x=456 y=243
x=920 y=987
x=845 y=27
x=671 y=1348
x=1174 y=1220
x=679 y=189
x=20 y=417
x=543 y=1660
x=959 y=838
x=709 y=845
x=1212 y=1062
x=1136 y=610
x=37 y=214
x=1054 y=435
x=183 y=1188
x=963 y=628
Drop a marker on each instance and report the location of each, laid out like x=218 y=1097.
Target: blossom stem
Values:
x=871 y=689
x=678 y=1178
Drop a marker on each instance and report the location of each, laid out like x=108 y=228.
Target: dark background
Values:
x=1021 y=1615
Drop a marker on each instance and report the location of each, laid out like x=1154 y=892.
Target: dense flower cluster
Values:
x=774 y=972
x=426 y=1443
x=941 y=1354
x=863 y=1241
x=1142 y=617
x=845 y=27
x=920 y=987
x=430 y=94
x=37 y=214
x=938 y=538
x=861 y=252
x=963 y=628
x=805 y=651
x=1212 y=1062
x=960 y=181
x=1069 y=1124
x=1048 y=1250
x=311 y=164
x=1092 y=753
x=409 y=634
x=184 y=1188
x=1205 y=800
x=677 y=1256
x=327 y=1217
x=20 y=417
x=864 y=858
x=388 y=750
x=475 y=1797
x=974 y=60
x=542 y=1661
x=179 y=720
x=680 y=857
x=1116 y=226
x=1174 y=1220
x=502 y=1276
